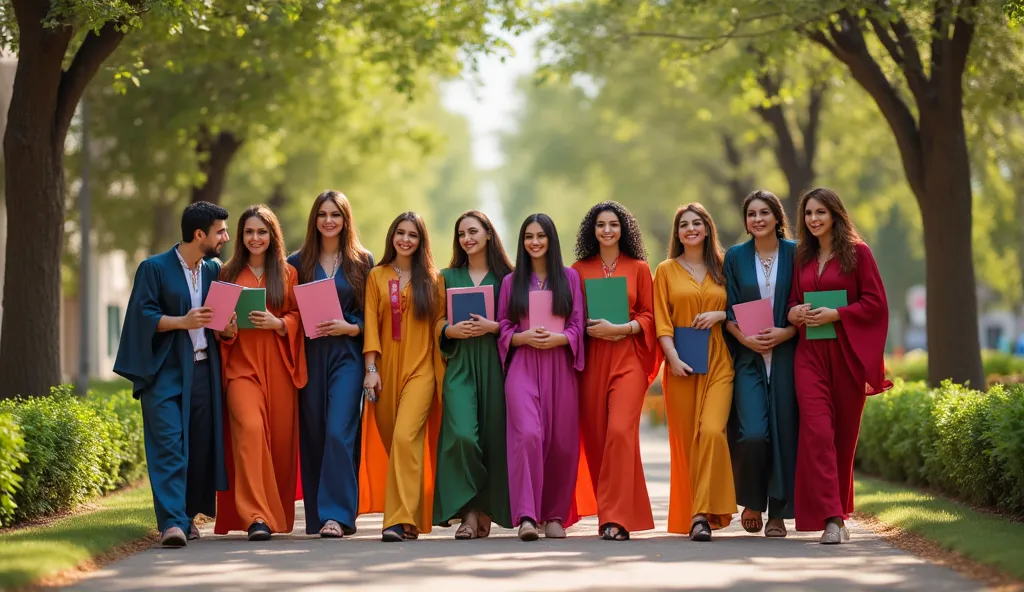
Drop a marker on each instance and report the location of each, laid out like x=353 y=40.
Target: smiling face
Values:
x=472 y=236
x=817 y=218
x=407 y=238
x=329 y=220
x=608 y=229
x=535 y=240
x=256 y=236
x=691 y=229
x=761 y=221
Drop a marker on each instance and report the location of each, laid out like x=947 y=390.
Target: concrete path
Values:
x=651 y=561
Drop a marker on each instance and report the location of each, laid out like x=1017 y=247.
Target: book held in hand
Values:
x=541 y=312
x=249 y=300
x=608 y=299
x=222 y=298
x=692 y=346
x=828 y=299
x=484 y=292
x=754 y=317
x=318 y=302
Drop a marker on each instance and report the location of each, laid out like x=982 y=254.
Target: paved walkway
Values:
x=651 y=561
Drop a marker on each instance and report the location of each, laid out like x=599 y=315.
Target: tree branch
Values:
x=963 y=36
x=95 y=49
x=809 y=130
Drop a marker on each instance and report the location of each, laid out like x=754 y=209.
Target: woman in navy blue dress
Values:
x=330 y=404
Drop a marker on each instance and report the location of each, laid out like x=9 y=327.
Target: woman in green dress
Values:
x=471 y=484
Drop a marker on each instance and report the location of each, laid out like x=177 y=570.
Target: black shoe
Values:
x=700 y=530
x=259 y=532
x=395 y=534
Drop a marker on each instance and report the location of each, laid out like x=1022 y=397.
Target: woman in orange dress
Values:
x=689 y=291
x=402 y=420
x=264 y=368
x=620 y=363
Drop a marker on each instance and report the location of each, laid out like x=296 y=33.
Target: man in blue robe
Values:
x=173 y=362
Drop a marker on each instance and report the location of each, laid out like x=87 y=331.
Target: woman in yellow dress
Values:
x=401 y=420
x=689 y=291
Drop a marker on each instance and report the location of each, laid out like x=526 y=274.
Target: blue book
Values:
x=692 y=346
x=466 y=304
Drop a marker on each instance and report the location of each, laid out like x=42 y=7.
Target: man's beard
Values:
x=211 y=250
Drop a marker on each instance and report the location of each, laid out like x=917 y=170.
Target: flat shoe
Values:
x=259 y=531
x=173 y=537
x=554 y=530
x=193 y=532
x=331 y=530
x=528 y=531
x=700 y=531
x=834 y=534
x=394 y=534
x=775 y=529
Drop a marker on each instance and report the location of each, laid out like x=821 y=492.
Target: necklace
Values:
x=259 y=276
x=766 y=267
x=688 y=268
x=194 y=273
x=540 y=283
x=334 y=268
x=822 y=264
x=609 y=271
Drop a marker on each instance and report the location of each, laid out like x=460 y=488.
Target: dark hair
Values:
x=713 y=255
x=844 y=235
x=497 y=260
x=200 y=216
x=631 y=241
x=424 y=273
x=558 y=283
x=356 y=261
x=775 y=205
x=274 y=266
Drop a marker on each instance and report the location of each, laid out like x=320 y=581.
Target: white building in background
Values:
x=110 y=286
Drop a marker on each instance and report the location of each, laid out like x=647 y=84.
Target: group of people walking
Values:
x=392 y=409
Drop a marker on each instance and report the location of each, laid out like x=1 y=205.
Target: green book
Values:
x=607 y=299
x=249 y=300
x=829 y=299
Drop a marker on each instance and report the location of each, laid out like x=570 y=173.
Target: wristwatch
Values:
x=371 y=369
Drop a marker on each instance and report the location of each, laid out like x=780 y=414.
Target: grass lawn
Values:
x=28 y=554
x=983 y=537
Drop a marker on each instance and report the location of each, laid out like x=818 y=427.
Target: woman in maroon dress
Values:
x=833 y=376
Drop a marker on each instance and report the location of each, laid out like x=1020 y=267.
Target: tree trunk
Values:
x=163 y=230
x=215 y=154
x=954 y=343
x=277 y=199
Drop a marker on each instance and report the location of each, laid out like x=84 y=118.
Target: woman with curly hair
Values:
x=689 y=291
x=620 y=362
x=833 y=376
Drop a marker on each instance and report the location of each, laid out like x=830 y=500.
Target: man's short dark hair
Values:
x=200 y=216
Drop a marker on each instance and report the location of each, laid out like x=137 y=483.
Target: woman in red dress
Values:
x=833 y=376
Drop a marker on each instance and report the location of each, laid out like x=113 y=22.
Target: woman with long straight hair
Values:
x=264 y=367
x=472 y=469
x=689 y=292
x=620 y=365
x=401 y=422
x=764 y=422
x=835 y=375
x=330 y=403
x=541 y=395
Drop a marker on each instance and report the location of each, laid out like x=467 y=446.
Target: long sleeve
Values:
x=371 y=331
x=646 y=341
x=732 y=286
x=292 y=344
x=446 y=345
x=506 y=327
x=662 y=313
x=866 y=320
x=142 y=350
x=356 y=315
x=796 y=294
x=575 y=328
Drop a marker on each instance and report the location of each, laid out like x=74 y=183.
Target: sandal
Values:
x=483 y=529
x=410 y=532
x=776 y=529
x=700 y=529
x=465 y=532
x=331 y=530
x=751 y=525
x=614 y=532
x=393 y=534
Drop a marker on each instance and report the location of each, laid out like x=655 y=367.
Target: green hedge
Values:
x=966 y=443
x=914 y=366
x=62 y=450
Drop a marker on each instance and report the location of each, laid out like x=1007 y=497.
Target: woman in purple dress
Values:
x=540 y=386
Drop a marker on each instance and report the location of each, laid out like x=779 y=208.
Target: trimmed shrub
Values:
x=12 y=455
x=128 y=414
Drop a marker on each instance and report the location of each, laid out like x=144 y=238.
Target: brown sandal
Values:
x=483 y=529
x=751 y=525
x=776 y=529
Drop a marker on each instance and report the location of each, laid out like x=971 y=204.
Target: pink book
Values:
x=755 y=316
x=222 y=298
x=541 y=312
x=487 y=291
x=318 y=302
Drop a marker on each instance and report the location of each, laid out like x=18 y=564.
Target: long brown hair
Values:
x=424 y=272
x=713 y=254
x=844 y=234
x=775 y=205
x=273 y=266
x=497 y=259
x=356 y=261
